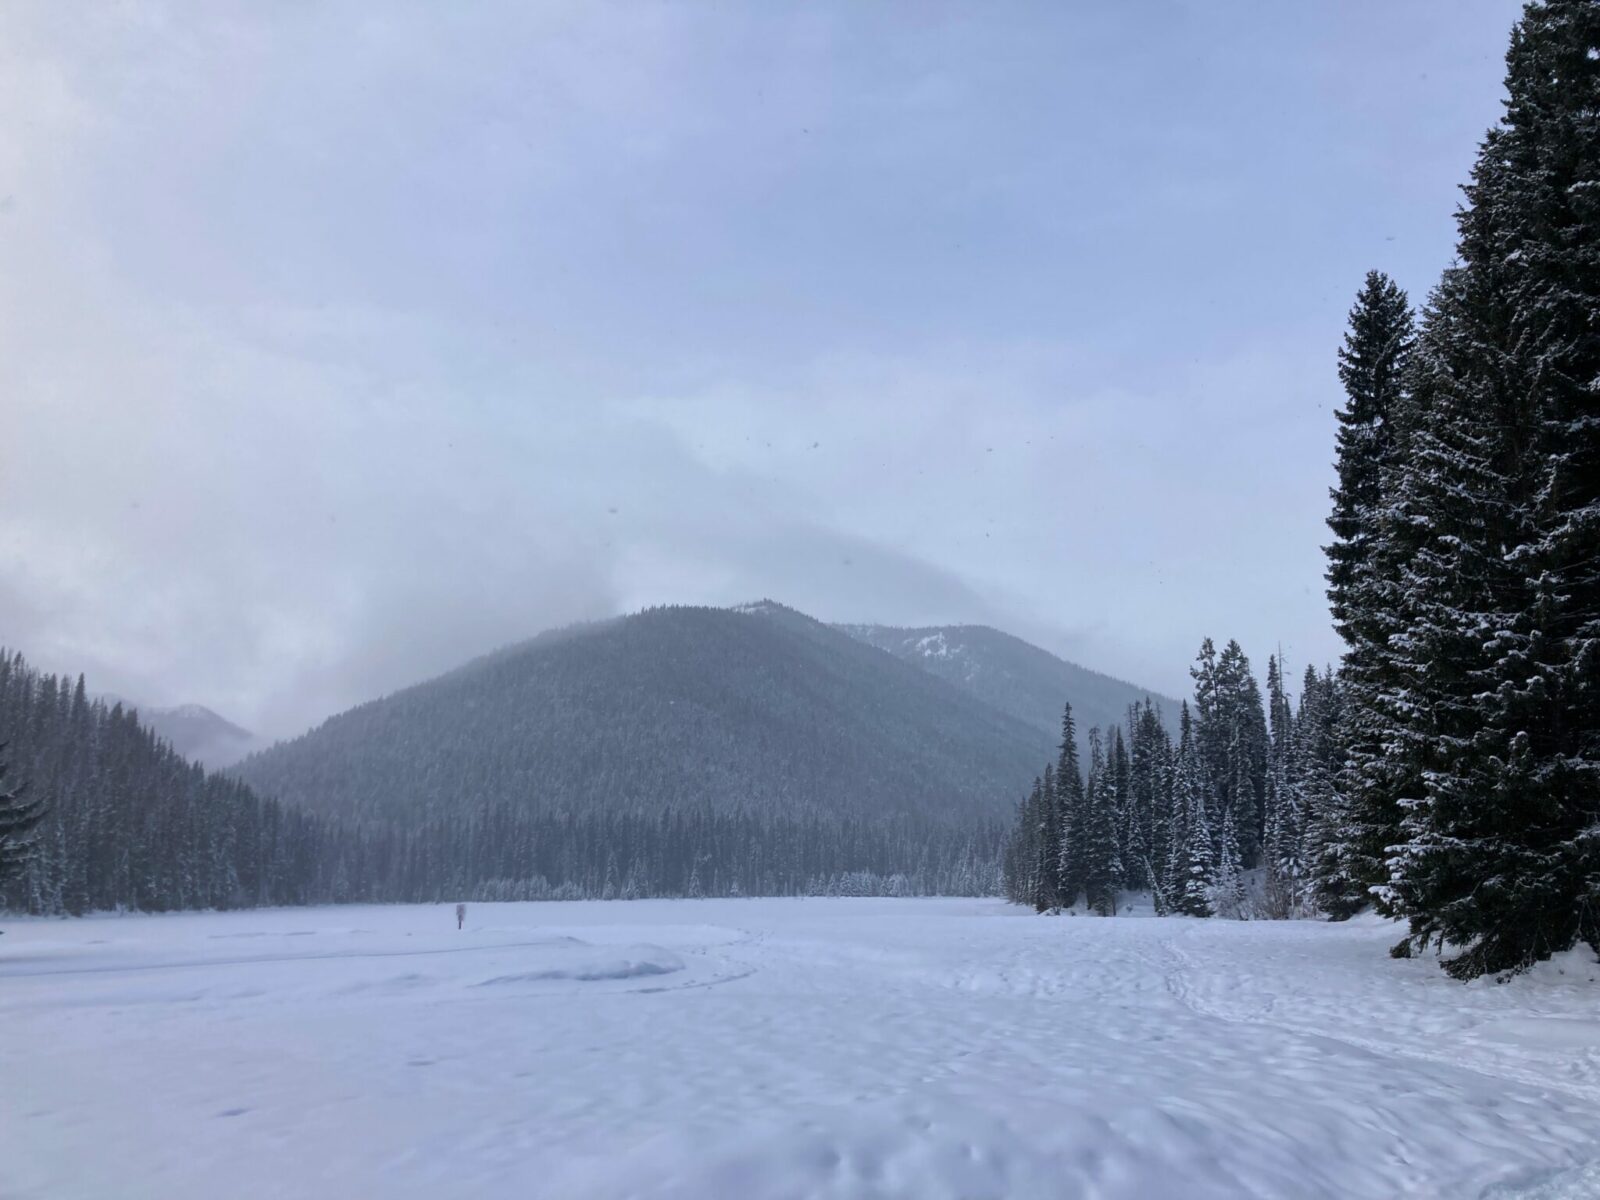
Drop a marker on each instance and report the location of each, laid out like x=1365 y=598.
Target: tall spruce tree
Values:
x=1282 y=857
x=1247 y=751
x=1318 y=755
x=1553 y=191
x=1495 y=700
x=1191 y=855
x=1152 y=786
x=1231 y=741
x=1102 y=862
x=1070 y=797
x=1133 y=820
x=1030 y=837
x=1209 y=729
x=1367 y=592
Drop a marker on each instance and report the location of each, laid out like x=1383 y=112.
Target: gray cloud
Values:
x=339 y=343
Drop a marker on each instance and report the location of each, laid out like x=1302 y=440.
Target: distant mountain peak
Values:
x=1011 y=675
x=199 y=712
x=194 y=731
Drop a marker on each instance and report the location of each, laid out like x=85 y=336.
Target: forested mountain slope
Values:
x=1013 y=676
x=758 y=709
x=128 y=823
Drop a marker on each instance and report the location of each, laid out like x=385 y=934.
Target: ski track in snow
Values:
x=767 y=1049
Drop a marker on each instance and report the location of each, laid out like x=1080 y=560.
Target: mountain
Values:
x=1011 y=675
x=759 y=709
x=201 y=735
x=194 y=731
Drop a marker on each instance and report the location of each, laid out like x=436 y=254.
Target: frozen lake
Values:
x=778 y=1048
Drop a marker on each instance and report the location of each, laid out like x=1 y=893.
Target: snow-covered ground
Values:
x=778 y=1048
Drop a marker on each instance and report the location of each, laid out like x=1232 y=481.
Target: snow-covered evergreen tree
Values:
x=1283 y=840
x=1497 y=737
x=1231 y=740
x=1227 y=888
x=1070 y=799
x=1151 y=768
x=1024 y=881
x=18 y=816
x=1191 y=857
x=1133 y=851
x=1552 y=682
x=1367 y=592
x=1102 y=862
x=1318 y=757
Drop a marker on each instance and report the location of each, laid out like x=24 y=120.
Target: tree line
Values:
x=1449 y=774
x=505 y=851
x=1246 y=784
x=120 y=820
x=113 y=818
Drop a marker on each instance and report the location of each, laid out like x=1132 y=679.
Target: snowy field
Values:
x=778 y=1048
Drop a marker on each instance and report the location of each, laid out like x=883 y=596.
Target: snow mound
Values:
x=592 y=964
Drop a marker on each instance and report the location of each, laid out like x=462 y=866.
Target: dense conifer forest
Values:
x=113 y=818
x=1246 y=785
x=128 y=823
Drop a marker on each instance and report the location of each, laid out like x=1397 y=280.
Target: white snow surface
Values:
x=765 y=1049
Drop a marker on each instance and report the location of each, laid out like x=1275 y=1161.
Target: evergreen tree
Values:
x=1102 y=862
x=1047 y=896
x=1025 y=880
x=1500 y=850
x=1227 y=889
x=1283 y=838
x=1318 y=756
x=1248 y=750
x=1231 y=741
x=1548 y=682
x=1366 y=590
x=1133 y=847
x=1210 y=731
x=1191 y=856
x=18 y=816
x=1070 y=797
x=1152 y=787
x=1373 y=366
x=1013 y=861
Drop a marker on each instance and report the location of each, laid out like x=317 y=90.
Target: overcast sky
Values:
x=342 y=342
